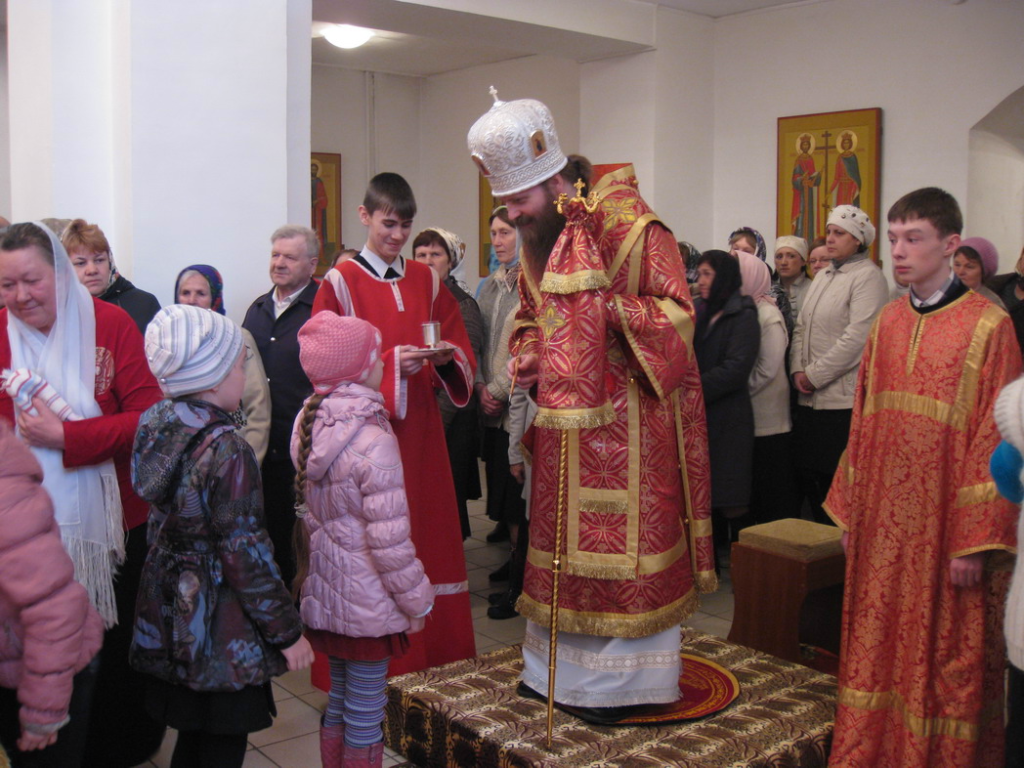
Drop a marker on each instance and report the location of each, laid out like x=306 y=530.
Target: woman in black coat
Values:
x=727 y=339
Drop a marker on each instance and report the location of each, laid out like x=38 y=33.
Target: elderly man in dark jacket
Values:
x=274 y=320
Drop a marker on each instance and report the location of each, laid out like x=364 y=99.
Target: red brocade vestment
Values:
x=398 y=308
x=921 y=666
x=638 y=530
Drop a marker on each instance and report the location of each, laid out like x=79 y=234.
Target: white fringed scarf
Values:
x=86 y=500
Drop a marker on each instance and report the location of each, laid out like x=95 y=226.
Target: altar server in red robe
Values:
x=398 y=296
x=923 y=655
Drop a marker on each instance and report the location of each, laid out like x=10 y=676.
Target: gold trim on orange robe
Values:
x=922 y=660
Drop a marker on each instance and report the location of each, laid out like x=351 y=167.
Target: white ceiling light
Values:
x=346 y=35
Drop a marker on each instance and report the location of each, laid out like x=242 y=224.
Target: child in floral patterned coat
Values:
x=213 y=621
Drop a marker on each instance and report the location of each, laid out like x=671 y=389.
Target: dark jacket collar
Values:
x=308 y=295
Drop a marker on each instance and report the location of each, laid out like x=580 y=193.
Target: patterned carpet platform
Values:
x=467 y=714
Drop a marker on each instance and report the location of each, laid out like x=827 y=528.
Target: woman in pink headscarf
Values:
x=773 y=492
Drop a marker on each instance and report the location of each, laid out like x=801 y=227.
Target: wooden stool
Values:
x=775 y=567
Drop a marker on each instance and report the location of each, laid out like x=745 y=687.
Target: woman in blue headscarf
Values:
x=202 y=286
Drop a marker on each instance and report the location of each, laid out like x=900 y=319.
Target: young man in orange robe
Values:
x=922 y=660
x=398 y=296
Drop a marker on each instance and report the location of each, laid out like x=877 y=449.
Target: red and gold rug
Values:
x=706 y=688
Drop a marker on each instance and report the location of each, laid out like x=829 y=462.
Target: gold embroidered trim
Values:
x=694 y=528
x=681 y=321
x=611 y=624
x=579 y=566
x=955 y=414
x=983 y=548
x=700 y=528
x=706 y=582
x=919 y=405
x=976 y=494
x=603 y=494
x=915 y=344
x=618 y=177
x=637 y=351
x=604 y=506
x=575 y=418
x=584 y=280
x=531 y=284
x=967 y=391
x=629 y=241
x=642 y=566
x=633 y=470
x=925 y=727
x=572 y=512
x=839 y=523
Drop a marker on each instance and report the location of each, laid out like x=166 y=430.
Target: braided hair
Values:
x=300 y=533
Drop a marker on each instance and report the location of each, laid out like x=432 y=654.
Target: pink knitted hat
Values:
x=988 y=253
x=334 y=349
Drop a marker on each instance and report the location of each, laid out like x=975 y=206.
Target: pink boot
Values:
x=365 y=757
x=332 y=746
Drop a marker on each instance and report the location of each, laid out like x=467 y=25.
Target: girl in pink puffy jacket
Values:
x=360 y=584
x=49 y=631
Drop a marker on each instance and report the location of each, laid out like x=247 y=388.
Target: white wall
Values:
x=371 y=120
x=934 y=68
x=5 y=132
x=213 y=147
x=996 y=194
x=653 y=109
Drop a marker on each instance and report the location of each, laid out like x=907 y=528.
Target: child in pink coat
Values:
x=49 y=631
x=361 y=586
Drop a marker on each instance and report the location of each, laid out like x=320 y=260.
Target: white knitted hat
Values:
x=191 y=349
x=1009 y=413
x=515 y=145
x=855 y=221
x=798 y=244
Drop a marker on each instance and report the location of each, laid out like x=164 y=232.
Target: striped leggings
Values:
x=357 y=699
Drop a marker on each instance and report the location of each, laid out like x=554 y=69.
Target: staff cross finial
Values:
x=494 y=93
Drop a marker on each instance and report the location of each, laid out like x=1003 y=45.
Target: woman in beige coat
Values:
x=831 y=331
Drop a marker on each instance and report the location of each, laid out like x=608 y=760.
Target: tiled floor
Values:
x=293 y=742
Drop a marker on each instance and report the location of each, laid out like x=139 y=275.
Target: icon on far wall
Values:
x=325 y=205
x=826 y=160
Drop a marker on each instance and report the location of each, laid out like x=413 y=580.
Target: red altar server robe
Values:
x=921 y=665
x=398 y=308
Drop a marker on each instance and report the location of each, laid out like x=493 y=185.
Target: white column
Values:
x=181 y=128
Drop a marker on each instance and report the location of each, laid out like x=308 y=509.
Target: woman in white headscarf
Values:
x=77 y=372
x=442 y=251
x=828 y=341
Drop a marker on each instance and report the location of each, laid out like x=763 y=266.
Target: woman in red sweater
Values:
x=90 y=353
